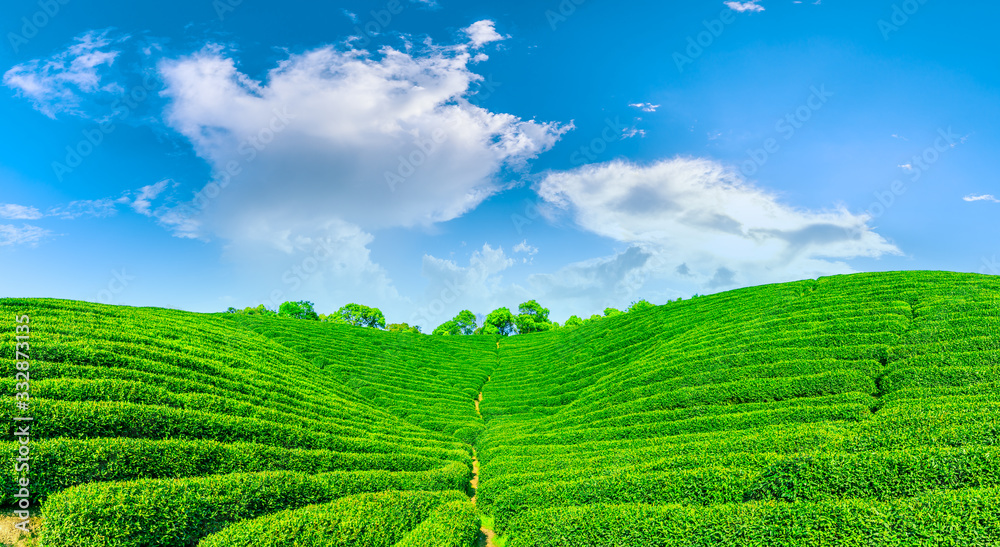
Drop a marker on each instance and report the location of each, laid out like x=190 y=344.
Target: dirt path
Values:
x=487 y=537
x=9 y=535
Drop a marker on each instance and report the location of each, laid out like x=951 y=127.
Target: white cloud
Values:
x=983 y=197
x=86 y=208
x=630 y=132
x=25 y=235
x=337 y=144
x=906 y=167
x=57 y=84
x=143 y=201
x=697 y=215
x=523 y=247
x=19 y=212
x=478 y=287
x=645 y=107
x=741 y=7
x=380 y=142
x=529 y=250
x=483 y=32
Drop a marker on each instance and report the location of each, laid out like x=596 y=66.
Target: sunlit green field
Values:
x=849 y=410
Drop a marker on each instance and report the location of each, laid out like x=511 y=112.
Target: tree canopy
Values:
x=639 y=305
x=362 y=316
x=462 y=324
x=259 y=310
x=532 y=317
x=499 y=321
x=403 y=327
x=302 y=309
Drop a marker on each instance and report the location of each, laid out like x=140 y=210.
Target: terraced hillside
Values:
x=850 y=410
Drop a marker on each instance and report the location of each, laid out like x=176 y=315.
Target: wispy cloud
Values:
x=143 y=202
x=25 y=235
x=57 y=84
x=983 y=197
x=645 y=107
x=87 y=208
x=19 y=212
x=741 y=7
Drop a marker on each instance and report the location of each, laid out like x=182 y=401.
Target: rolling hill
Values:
x=848 y=410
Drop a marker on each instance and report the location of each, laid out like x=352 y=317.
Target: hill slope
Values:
x=850 y=410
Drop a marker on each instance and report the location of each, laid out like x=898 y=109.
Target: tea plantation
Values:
x=848 y=410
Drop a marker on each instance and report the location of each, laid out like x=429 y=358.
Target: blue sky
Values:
x=427 y=157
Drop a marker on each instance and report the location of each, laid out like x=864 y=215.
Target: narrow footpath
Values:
x=487 y=537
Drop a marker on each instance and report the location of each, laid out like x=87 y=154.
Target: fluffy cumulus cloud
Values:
x=338 y=144
x=696 y=219
x=378 y=141
x=57 y=84
x=483 y=32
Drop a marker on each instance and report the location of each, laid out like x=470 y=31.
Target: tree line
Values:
x=530 y=317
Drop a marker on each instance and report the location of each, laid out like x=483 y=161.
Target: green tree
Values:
x=573 y=321
x=532 y=317
x=260 y=310
x=302 y=309
x=466 y=321
x=611 y=312
x=639 y=305
x=362 y=316
x=463 y=323
x=448 y=328
x=332 y=318
x=499 y=321
x=403 y=327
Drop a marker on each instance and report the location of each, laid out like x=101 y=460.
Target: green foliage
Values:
x=849 y=410
x=302 y=309
x=403 y=327
x=532 y=317
x=611 y=312
x=463 y=324
x=362 y=316
x=260 y=310
x=370 y=520
x=182 y=511
x=500 y=321
x=639 y=305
